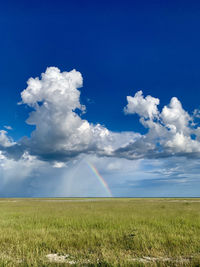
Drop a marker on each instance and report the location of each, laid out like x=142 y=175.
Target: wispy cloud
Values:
x=7 y=127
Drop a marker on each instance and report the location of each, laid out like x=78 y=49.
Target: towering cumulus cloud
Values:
x=61 y=134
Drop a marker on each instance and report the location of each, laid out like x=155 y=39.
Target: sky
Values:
x=99 y=98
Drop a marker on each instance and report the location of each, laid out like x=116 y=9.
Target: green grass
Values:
x=104 y=232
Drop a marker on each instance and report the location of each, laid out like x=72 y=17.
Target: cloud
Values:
x=30 y=176
x=27 y=177
x=51 y=162
x=145 y=107
x=7 y=127
x=5 y=141
x=171 y=132
x=61 y=134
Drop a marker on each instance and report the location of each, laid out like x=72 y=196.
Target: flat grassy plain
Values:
x=100 y=232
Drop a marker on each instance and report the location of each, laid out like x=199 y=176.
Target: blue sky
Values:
x=120 y=48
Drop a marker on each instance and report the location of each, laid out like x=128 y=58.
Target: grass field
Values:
x=100 y=232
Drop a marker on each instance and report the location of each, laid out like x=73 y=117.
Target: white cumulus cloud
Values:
x=62 y=138
x=61 y=134
x=171 y=131
x=5 y=140
x=145 y=107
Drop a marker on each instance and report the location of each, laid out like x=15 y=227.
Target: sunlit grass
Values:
x=104 y=232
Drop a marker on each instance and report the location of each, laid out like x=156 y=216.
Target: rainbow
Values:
x=100 y=178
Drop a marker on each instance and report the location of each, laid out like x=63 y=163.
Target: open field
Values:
x=99 y=232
